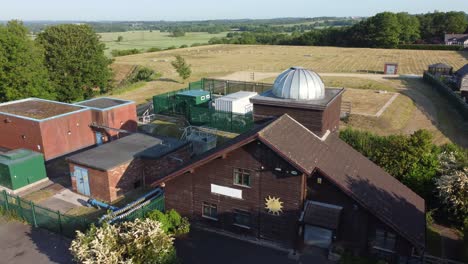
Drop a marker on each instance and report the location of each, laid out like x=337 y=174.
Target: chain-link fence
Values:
x=41 y=217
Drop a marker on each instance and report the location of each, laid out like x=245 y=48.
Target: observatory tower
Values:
x=301 y=94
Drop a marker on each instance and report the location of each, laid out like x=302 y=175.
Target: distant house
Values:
x=462 y=81
x=440 y=69
x=456 y=39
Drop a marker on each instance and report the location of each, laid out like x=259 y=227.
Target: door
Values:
x=99 y=138
x=391 y=69
x=318 y=237
x=82 y=183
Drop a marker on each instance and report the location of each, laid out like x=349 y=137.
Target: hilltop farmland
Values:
x=417 y=106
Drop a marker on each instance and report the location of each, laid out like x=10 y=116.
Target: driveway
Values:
x=19 y=243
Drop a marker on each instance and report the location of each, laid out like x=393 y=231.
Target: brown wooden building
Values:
x=294 y=182
x=281 y=182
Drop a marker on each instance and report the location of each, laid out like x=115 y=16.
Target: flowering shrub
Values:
x=140 y=241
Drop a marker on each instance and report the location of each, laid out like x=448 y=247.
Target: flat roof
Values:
x=193 y=93
x=238 y=96
x=121 y=151
x=270 y=99
x=104 y=103
x=38 y=109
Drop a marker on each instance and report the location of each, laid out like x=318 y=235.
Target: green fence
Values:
x=42 y=217
x=170 y=104
x=456 y=100
x=156 y=204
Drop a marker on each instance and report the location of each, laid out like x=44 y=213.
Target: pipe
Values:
x=99 y=205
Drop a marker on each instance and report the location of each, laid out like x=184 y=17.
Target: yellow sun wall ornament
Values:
x=273 y=205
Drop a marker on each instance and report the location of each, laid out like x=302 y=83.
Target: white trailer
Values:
x=238 y=103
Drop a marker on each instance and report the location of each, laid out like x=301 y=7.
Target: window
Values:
x=210 y=211
x=384 y=240
x=242 y=177
x=242 y=218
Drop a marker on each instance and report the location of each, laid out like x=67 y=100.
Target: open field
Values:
x=365 y=102
x=417 y=107
x=154 y=39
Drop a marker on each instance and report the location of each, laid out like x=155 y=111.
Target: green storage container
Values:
x=21 y=167
x=194 y=97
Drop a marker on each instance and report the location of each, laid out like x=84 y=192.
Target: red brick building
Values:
x=109 y=171
x=56 y=129
x=49 y=127
x=113 y=115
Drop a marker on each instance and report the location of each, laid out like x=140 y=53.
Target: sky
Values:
x=93 y=10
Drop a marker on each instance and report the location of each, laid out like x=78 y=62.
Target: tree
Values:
x=409 y=28
x=76 y=62
x=178 y=32
x=140 y=241
x=22 y=70
x=384 y=30
x=182 y=68
x=120 y=38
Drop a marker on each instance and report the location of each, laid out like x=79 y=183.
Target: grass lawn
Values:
x=155 y=39
x=366 y=102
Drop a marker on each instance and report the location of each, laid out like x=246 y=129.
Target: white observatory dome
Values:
x=299 y=84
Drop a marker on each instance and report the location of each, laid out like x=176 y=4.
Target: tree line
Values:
x=64 y=62
x=384 y=30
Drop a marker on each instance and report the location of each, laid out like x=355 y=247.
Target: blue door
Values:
x=98 y=138
x=82 y=183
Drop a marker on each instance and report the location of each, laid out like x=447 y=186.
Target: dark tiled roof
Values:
x=121 y=151
x=455 y=36
x=440 y=66
x=384 y=196
x=462 y=71
x=368 y=184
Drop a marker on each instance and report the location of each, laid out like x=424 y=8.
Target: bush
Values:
x=143 y=74
x=171 y=222
x=171 y=48
x=183 y=46
x=140 y=241
x=117 y=53
x=154 y=49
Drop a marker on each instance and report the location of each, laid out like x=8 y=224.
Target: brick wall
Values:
x=187 y=193
x=54 y=137
x=156 y=169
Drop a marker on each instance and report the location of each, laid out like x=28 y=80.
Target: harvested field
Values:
x=365 y=102
x=37 y=109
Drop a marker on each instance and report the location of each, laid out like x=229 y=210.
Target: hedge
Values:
x=431 y=47
x=457 y=101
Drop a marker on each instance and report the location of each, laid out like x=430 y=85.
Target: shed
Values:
x=113 y=169
x=440 y=68
x=194 y=97
x=238 y=103
x=20 y=168
x=391 y=68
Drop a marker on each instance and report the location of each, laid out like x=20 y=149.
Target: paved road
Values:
x=19 y=243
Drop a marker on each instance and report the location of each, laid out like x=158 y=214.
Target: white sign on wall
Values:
x=231 y=192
